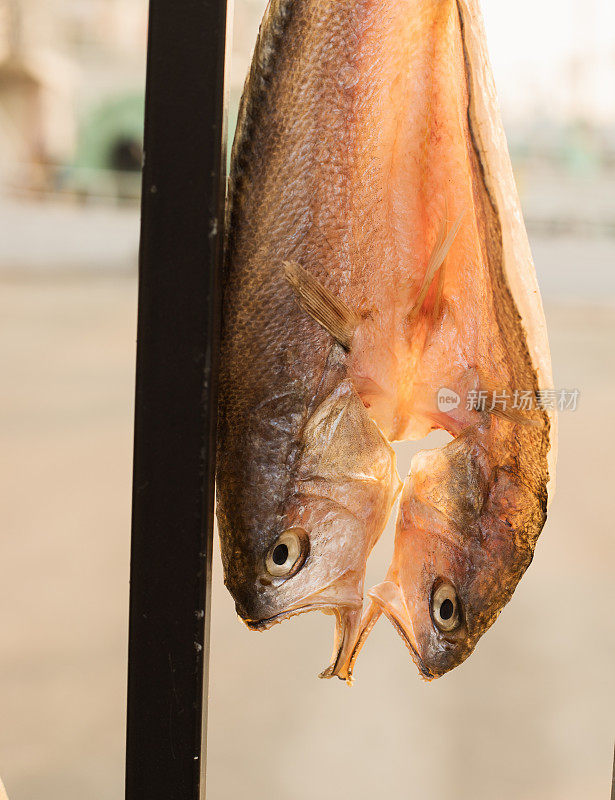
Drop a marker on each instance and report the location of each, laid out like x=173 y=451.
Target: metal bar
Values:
x=175 y=414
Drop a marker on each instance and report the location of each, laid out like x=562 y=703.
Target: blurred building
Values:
x=72 y=75
x=71 y=94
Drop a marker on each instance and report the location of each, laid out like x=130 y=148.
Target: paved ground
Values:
x=62 y=237
x=56 y=239
x=529 y=717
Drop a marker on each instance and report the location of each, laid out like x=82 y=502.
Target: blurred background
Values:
x=529 y=717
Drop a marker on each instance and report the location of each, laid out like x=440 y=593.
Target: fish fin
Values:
x=322 y=305
x=441 y=276
x=513 y=415
x=438 y=256
x=439 y=291
x=420 y=298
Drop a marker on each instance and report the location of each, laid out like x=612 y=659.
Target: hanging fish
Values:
x=306 y=479
x=375 y=253
x=470 y=513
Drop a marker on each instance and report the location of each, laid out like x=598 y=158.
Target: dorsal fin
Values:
x=321 y=304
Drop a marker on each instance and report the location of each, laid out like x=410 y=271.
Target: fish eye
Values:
x=445 y=607
x=287 y=555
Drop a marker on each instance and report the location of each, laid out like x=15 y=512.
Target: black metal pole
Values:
x=175 y=419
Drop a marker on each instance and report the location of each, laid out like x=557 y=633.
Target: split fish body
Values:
x=375 y=254
x=303 y=470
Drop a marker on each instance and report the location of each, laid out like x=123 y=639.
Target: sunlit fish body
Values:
x=375 y=255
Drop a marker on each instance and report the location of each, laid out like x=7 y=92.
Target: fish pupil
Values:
x=280 y=554
x=447 y=609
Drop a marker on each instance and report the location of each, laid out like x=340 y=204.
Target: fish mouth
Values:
x=388 y=599
x=347 y=626
x=352 y=627
x=350 y=635
x=269 y=622
x=401 y=630
x=348 y=651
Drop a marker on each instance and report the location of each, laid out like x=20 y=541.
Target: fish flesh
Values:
x=471 y=512
x=376 y=255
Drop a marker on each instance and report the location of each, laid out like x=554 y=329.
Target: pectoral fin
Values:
x=440 y=251
x=321 y=304
x=516 y=416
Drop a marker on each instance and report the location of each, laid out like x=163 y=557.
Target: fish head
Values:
x=336 y=502
x=465 y=536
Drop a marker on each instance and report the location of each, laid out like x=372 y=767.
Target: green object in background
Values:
x=581 y=150
x=110 y=148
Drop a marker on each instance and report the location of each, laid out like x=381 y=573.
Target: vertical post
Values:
x=175 y=416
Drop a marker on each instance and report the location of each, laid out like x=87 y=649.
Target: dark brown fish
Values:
x=306 y=480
